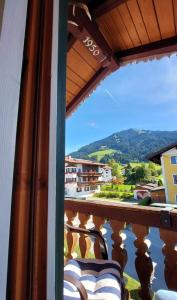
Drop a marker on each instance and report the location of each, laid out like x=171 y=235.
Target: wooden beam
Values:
x=71 y=41
x=90 y=85
x=135 y=214
x=105 y=7
x=88 y=29
x=167 y=46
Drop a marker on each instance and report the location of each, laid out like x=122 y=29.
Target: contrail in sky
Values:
x=111 y=96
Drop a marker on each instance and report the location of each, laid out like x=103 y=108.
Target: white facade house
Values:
x=84 y=177
x=106 y=173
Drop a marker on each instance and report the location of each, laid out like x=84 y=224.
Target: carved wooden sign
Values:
x=93 y=48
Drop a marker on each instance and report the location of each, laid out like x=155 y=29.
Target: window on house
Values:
x=175 y=179
x=92 y=188
x=86 y=188
x=70 y=180
x=174 y=160
x=79 y=190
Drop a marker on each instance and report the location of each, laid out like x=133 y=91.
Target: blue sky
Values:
x=142 y=95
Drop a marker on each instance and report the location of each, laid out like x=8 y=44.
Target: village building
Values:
x=84 y=177
x=167 y=158
x=158 y=195
x=142 y=191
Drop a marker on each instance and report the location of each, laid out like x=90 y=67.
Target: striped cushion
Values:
x=101 y=279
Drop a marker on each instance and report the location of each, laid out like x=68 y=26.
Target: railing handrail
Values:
x=125 y=212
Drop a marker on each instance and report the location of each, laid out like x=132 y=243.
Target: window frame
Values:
x=174 y=180
x=171 y=159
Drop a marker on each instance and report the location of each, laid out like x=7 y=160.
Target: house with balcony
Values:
x=53 y=55
x=167 y=158
x=84 y=177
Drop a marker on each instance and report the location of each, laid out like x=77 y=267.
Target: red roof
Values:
x=69 y=159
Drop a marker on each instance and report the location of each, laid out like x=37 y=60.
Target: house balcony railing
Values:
x=90 y=182
x=89 y=173
x=140 y=219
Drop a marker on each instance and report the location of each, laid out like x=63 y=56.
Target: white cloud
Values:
x=92 y=124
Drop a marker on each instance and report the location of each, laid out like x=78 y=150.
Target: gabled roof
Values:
x=104 y=35
x=69 y=159
x=148 y=186
x=155 y=157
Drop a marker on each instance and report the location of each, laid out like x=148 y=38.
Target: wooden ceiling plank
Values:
x=105 y=7
x=69 y=93
x=175 y=13
x=86 y=55
x=116 y=29
x=75 y=77
x=73 y=88
x=122 y=28
x=111 y=33
x=150 y=20
x=88 y=88
x=162 y=47
x=164 y=12
x=75 y=61
x=127 y=19
x=74 y=82
x=138 y=21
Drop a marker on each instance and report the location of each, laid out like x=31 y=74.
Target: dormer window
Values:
x=174 y=160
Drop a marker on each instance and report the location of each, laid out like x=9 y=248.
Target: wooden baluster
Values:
x=71 y=238
x=170 y=261
x=84 y=241
x=119 y=253
x=98 y=222
x=143 y=262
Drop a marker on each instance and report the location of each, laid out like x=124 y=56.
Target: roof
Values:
x=155 y=157
x=148 y=186
x=107 y=167
x=104 y=35
x=159 y=188
x=69 y=159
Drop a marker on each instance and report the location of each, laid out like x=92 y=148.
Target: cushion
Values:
x=165 y=295
x=101 y=279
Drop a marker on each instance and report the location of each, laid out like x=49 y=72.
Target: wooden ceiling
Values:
x=104 y=35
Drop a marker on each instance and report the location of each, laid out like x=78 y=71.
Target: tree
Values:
x=116 y=170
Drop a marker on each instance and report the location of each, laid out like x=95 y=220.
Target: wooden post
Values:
x=28 y=241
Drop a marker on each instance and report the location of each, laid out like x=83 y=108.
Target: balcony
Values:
x=141 y=219
x=89 y=173
x=90 y=182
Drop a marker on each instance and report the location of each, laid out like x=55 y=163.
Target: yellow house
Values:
x=167 y=157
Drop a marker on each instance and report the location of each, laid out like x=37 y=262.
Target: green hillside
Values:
x=131 y=145
x=98 y=155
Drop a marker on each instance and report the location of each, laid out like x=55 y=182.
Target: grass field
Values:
x=100 y=154
x=132 y=286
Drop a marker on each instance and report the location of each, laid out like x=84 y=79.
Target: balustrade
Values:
x=140 y=219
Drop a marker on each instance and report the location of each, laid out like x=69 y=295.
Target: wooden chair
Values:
x=92 y=279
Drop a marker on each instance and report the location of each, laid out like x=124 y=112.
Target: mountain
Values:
x=127 y=145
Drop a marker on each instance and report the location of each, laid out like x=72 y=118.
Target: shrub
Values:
x=145 y=202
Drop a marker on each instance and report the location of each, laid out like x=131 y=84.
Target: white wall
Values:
x=11 y=54
x=106 y=174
